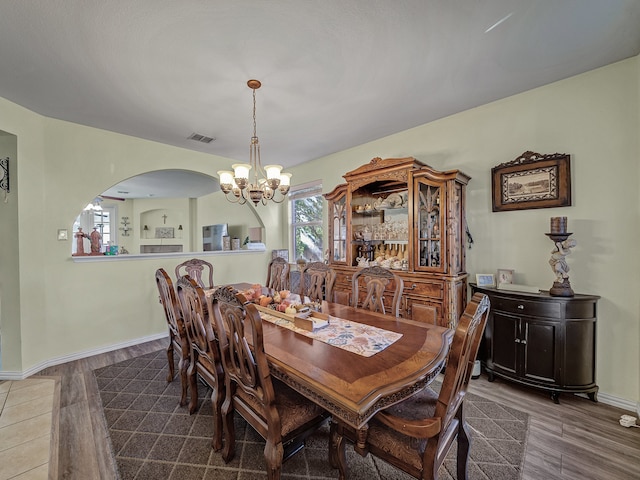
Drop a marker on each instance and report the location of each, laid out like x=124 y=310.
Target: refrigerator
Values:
x=212 y=236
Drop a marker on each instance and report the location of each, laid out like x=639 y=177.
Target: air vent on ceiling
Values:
x=201 y=138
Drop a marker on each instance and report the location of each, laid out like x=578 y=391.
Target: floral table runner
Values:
x=352 y=336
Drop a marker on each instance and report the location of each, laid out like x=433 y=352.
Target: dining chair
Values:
x=198 y=270
x=278 y=274
x=316 y=282
x=205 y=353
x=282 y=416
x=415 y=435
x=376 y=282
x=178 y=341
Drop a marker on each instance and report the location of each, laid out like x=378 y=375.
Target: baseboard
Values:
x=8 y=375
x=618 y=402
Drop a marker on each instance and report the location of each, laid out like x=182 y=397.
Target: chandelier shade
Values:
x=251 y=181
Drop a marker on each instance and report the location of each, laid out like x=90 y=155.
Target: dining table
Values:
x=368 y=362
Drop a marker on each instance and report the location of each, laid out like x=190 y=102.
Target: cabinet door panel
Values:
x=424 y=313
x=580 y=353
x=540 y=351
x=342 y=297
x=504 y=332
x=420 y=310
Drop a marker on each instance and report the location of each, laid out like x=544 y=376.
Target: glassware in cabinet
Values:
x=430 y=200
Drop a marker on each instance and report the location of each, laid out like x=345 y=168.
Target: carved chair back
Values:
x=416 y=434
x=377 y=282
x=280 y=415
x=316 y=282
x=200 y=270
x=178 y=341
x=205 y=352
x=278 y=274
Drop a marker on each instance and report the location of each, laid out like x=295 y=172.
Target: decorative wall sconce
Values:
x=126 y=226
x=4 y=174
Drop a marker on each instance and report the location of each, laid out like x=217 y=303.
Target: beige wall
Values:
x=9 y=266
x=595 y=118
x=67 y=307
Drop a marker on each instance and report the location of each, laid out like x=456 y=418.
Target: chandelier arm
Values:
x=232 y=200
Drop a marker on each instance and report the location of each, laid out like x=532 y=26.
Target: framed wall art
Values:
x=164 y=232
x=532 y=181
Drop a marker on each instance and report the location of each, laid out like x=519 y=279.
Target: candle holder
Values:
x=563 y=245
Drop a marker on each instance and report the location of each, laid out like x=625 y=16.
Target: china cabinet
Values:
x=401 y=214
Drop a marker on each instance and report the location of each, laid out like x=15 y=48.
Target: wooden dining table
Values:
x=348 y=385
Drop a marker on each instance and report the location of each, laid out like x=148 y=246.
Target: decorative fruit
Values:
x=264 y=301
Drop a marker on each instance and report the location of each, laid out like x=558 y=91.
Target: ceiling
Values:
x=334 y=73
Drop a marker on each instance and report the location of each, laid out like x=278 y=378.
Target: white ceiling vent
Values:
x=201 y=138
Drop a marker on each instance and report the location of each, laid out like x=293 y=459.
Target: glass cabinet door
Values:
x=339 y=216
x=339 y=230
x=430 y=235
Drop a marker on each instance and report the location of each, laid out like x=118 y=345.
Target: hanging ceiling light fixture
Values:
x=95 y=205
x=267 y=182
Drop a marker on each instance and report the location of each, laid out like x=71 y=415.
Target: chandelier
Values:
x=267 y=182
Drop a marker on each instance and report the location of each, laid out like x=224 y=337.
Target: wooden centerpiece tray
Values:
x=306 y=320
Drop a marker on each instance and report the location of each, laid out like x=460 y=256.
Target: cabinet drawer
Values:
x=527 y=307
x=429 y=289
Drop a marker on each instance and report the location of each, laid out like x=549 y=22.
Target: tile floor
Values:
x=27 y=409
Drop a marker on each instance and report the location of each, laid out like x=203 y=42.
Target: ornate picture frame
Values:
x=532 y=180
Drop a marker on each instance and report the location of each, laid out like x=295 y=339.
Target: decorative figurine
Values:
x=563 y=245
x=95 y=241
x=80 y=236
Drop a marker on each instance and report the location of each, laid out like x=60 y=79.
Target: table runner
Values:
x=354 y=337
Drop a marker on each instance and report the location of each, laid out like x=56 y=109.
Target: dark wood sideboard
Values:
x=541 y=341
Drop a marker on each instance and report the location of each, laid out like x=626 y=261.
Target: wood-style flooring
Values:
x=577 y=439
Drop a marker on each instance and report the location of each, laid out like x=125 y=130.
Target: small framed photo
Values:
x=485 y=280
x=505 y=276
x=63 y=234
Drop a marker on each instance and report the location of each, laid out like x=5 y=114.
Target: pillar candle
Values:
x=558 y=224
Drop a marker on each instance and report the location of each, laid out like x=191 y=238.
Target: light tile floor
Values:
x=26 y=426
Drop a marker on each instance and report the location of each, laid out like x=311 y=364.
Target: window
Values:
x=306 y=222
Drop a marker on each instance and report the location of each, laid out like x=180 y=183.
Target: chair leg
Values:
x=216 y=404
x=170 y=360
x=183 y=365
x=229 y=449
x=273 y=454
x=464 y=446
x=193 y=385
x=337 y=453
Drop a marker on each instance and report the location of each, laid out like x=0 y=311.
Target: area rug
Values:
x=152 y=437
